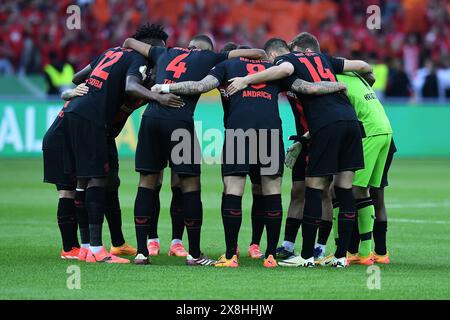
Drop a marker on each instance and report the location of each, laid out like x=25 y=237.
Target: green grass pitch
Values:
x=419 y=241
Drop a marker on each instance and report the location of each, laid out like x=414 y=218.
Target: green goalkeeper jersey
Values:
x=368 y=108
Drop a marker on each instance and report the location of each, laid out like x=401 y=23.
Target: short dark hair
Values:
x=306 y=40
x=243 y=46
x=203 y=38
x=275 y=44
x=229 y=46
x=152 y=34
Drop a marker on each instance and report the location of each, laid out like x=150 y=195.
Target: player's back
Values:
x=106 y=84
x=368 y=107
x=320 y=110
x=255 y=106
x=178 y=65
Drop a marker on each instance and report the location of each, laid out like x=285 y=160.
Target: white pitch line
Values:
x=419 y=221
x=419 y=205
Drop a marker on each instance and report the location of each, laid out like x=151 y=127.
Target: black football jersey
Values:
x=107 y=85
x=257 y=105
x=177 y=65
x=301 y=125
x=320 y=110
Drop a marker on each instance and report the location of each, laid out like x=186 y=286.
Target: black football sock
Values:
x=312 y=214
x=67 y=223
x=143 y=207
x=379 y=237
x=291 y=229
x=353 y=247
x=95 y=206
x=82 y=216
x=153 y=233
x=324 y=232
x=232 y=219
x=257 y=218
x=113 y=215
x=176 y=213
x=346 y=219
x=273 y=215
x=335 y=220
x=193 y=216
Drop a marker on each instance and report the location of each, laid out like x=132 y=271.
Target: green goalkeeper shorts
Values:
x=376 y=149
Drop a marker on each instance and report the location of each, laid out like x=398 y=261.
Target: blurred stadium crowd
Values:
x=411 y=51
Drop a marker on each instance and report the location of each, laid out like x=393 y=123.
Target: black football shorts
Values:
x=86 y=152
x=249 y=158
x=335 y=148
x=53 y=156
x=163 y=141
x=387 y=166
x=299 y=169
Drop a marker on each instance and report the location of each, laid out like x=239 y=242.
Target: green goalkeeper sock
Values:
x=335 y=220
x=366 y=214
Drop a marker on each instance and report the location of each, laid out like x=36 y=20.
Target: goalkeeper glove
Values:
x=292 y=154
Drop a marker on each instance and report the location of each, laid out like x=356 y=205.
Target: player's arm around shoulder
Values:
x=136 y=45
x=189 y=87
x=134 y=88
x=357 y=66
x=317 y=88
x=277 y=72
x=255 y=54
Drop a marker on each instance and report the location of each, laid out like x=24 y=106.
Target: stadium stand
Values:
x=410 y=51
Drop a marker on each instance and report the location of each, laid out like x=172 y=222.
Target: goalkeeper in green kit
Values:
x=378 y=149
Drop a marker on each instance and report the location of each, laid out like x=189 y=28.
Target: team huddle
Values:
x=339 y=158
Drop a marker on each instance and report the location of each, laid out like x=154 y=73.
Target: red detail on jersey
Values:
x=303 y=122
x=319 y=74
x=95 y=83
x=177 y=66
x=112 y=58
x=256 y=94
x=253 y=68
x=61 y=113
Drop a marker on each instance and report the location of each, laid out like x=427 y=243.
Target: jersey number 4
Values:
x=110 y=58
x=177 y=66
x=318 y=73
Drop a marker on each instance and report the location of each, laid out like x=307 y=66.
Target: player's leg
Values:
x=325 y=225
x=113 y=216
x=273 y=215
x=153 y=243
x=177 y=218
x=257 y=217
x=381 y=254
x=295 y=210
x=82 y=218
x=231 y=217
x=350 y=159
x=67 y=222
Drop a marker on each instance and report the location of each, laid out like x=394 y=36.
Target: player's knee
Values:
x=256 y=189
x=360 y=192
x=344 y=179
x=298 y=191
x=317 y=182
x=271 y=185
x=70 y=194
x=148 y=181
x=189 y=184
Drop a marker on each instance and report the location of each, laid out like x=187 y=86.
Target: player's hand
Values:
x=170 y=100
x=292 y=154
x=237 y=84
x=80 y=90
x=157 y=88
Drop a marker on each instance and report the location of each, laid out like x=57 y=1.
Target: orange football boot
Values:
x=227 y=263
x=382 y=259
x=104 y=256
x=83 y=254
x=254 y=252
x=125 y=250
x=270 y=262
x=153 y=248
x=177 y=250
x=70 y=255
x=367 y=261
